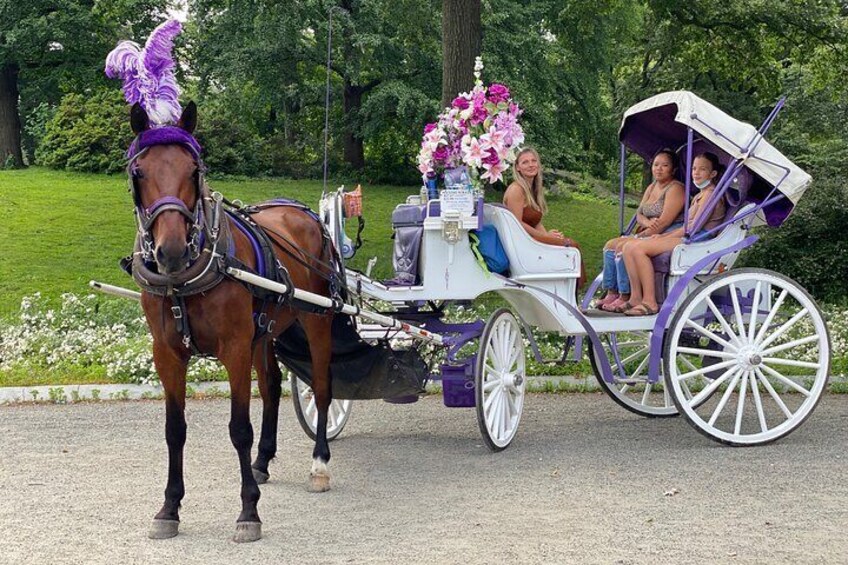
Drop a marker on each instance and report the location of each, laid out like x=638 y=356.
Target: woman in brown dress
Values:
x=525 y=198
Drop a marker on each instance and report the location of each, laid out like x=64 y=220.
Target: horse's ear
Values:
x=188 y=121
x=138 y=119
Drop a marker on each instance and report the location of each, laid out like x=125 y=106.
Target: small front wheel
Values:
x=500 y=379
x=307 y=412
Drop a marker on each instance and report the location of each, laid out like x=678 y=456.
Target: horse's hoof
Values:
x=247 y=531
x=319 y=483
x=261 y=478
x=163 y=529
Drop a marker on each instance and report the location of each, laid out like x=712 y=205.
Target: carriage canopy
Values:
x=663 y=121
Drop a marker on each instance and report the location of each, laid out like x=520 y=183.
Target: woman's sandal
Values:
x=641 y=310
x=621 y=309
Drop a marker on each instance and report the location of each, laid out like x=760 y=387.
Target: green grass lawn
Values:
x=58 y=230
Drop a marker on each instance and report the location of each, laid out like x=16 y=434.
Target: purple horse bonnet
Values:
x=164 y=135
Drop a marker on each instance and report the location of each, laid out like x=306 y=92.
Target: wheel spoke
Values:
x=704 y=370
x=737 y=311
x=758 y=403
x=707 y=333
x=635 y=355
x=686 y=393
x=725 y=397
x=790 y=345
x=725 y=325
x=773 y=393
x=640 y=367
x=782 y=329
x=487 y=404
x=755 y=310
x=688 y=363
x=740 y=404
x=646 y=393
x=774 y=310
x=711 y=388
x=791 y=362
x=491 y=385
x=788 y=382
x=706 y=352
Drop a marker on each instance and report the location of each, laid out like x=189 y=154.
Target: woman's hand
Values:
x=556 y=233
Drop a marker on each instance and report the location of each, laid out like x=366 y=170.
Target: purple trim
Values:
x=621 y=172
x=688 y=185
x=724 y=183
x=468 y=331
x=587 y=300
x=164 y=135
x=603 y=362
x=257 y=251
x=171 y=200
x=458 y=384
x=671 y=302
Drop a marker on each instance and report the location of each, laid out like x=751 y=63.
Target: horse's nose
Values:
x=171 y=261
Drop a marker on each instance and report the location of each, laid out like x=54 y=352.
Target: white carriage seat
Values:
x=530 y=259
x=685 y=256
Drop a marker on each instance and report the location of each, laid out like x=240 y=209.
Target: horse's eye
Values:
x=137 y=174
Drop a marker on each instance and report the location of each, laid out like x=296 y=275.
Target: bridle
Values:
x=146 y=216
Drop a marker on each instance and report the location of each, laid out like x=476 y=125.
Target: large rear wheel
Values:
x=757 y=356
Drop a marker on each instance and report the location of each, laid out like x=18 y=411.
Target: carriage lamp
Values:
x=450 y=226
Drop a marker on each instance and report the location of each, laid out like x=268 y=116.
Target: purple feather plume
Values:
x=148 y=73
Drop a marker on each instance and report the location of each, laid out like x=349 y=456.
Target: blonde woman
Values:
x=525 y=198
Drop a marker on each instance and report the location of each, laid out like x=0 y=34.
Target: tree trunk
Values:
x=354 y=150
x=462 y=36
x=10 y=121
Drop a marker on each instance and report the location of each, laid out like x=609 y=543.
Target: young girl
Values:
x=638 y=253
x=660 y=210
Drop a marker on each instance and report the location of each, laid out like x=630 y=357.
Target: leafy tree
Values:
x=47 y=46
x=461 y=43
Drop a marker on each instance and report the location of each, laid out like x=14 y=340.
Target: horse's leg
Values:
x=237 y=360
x=172 y=372
x=318 y=332
x=270 y=387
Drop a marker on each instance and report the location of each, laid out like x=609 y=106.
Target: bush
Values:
x=810 y=247
x=88 y=132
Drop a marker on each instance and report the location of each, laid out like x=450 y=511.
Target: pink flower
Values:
x=473 y=154
x=430 y=127
x=494 y=171
x=492 y=159
x=498 y=93
x=460 y=102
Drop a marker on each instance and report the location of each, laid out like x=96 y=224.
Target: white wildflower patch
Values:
x=86 y=331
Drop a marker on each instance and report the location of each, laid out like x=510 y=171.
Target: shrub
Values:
x=88 y=132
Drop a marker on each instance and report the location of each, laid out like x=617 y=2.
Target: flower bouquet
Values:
x=480 y=130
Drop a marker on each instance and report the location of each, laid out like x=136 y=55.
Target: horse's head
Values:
x=166 y=184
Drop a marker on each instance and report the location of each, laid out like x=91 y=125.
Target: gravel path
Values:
x=584 y=482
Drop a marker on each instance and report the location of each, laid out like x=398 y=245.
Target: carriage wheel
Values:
x=757 y=355
x=628 y=355
x=500 y=379
x=307 y=411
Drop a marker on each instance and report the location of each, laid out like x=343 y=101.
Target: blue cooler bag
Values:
x=488 y=249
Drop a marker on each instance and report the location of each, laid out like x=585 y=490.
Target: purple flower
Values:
x=430 y=127
x=460 y=103
x=440 y=154
x=491 y=159
x=498 y=93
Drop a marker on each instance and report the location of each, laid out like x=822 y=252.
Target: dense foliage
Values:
x=256 y=69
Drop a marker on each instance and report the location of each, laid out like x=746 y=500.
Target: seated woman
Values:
x=525 y=198
x=638 y=253
x=661 y=210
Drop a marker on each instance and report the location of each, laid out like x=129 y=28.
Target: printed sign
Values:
x=460 y=200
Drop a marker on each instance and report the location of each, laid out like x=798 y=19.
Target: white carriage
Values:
x=743 y=354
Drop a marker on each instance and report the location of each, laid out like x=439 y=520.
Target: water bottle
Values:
x=432 y=189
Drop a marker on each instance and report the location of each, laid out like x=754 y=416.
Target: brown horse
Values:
x=221 y=320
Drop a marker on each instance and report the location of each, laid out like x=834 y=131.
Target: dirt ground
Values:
x=583 y=482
